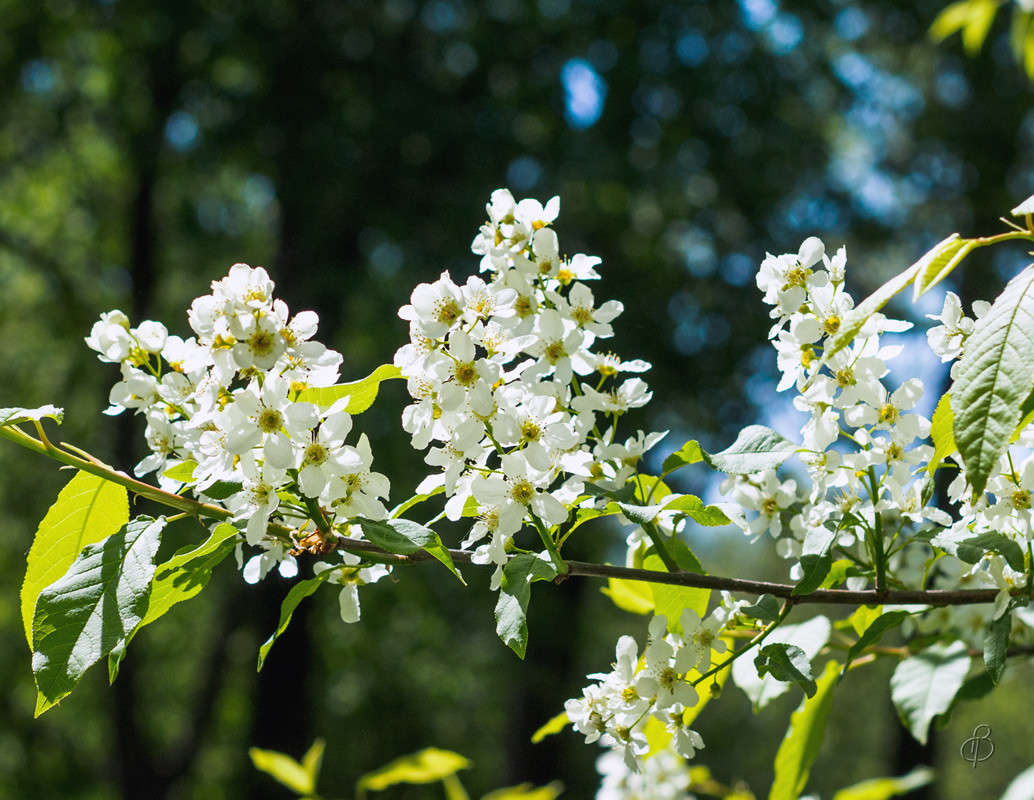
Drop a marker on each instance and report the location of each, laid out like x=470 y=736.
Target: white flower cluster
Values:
x=616 y=709
x=225 y=418
x=498 y=369
x=865 y=448
x=663 y=776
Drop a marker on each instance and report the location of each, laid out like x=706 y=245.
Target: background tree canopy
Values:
x=350 y=147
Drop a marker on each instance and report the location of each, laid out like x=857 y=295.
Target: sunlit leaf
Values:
x=555 y=725
x=924 y=685
x=93 y=608
x=803 y=738
x=994 y=376
x=426 y=766
x=87 y=510
x=361 y=394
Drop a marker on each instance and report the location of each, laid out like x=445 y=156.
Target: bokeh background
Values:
x=349 y=147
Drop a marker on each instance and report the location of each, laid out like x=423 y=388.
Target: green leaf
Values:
x=632 y=596
x=942 y=432
x=996 y=644
x=693 y=506
x=952 y=19
x=803 y=738
x=416 y=499
x=838 y=573
x=810 y=636
x=648 y=486
x=312 y=761
x=182 y=472
x=816 y=567
x=994 y=376
x=360 y=394
x=689 y=453
x=527 y=791
x=180 y=578
x=885 y=788
x=939 y=262
x=973 y=549
x=981 y=15
x=765 y=609
x=14 y=416
x=862 y=617
x=875 y=630
x=220 y=490
x=185 y=574
x=511 y=610
x=583 y=515
x=87 y=510
x=426 y=766
x=757 y=448
x=641 y=515
x=299 y=778
x=555 y=725
x=298 y=592
x=406 y=537
x=786 y=662
x=93 y=608
x=924 y=685
x=670 y=600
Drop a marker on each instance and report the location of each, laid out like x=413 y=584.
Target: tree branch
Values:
x=933 y=597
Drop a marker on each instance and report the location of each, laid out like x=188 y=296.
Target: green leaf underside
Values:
x=874 y=632
x=756 y=449
x=405 y=537
x=803 y=738
x=298 y=592
x=973 y=549
x=924 y=685
x=885 y=788
x=939 y=262
x=555 y=725
x=996 y=644
x=511 y=610
x=15 y=416
x=93 y=608
x=426 y=766
x=86 y=510
x=361 y=394
x=995 y=375
x=786 y=662
x=942 y=432
x=765 y=609
x=299 y=778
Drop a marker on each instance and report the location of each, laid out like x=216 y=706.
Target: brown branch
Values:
x=933 y=597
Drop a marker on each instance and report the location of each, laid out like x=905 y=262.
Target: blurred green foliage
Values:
x=349 y=147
